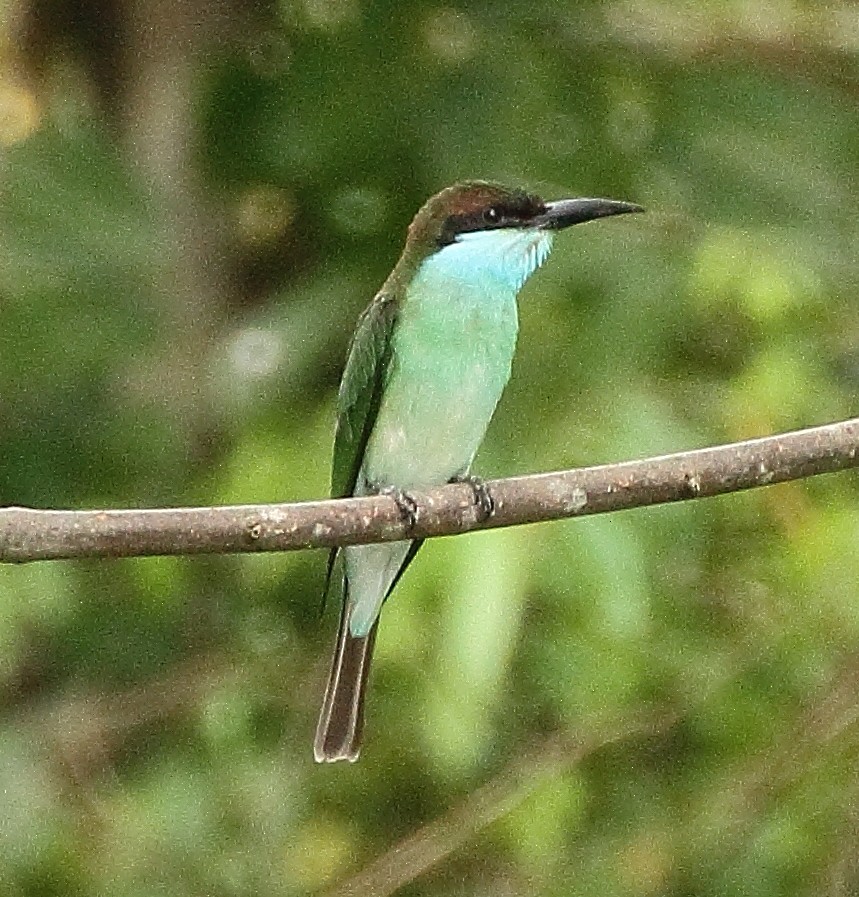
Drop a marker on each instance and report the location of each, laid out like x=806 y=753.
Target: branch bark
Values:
x=35 y=535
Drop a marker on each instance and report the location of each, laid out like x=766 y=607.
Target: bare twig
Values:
x=33 y=535
x=419 y=852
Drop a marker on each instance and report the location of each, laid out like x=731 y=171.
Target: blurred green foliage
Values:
x=195 y=205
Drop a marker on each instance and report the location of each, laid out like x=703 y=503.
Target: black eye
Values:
x=491 y=215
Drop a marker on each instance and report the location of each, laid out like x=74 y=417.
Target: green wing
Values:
x=361 y=389
x=361 y=392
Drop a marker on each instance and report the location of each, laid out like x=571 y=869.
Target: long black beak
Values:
x=566 y=212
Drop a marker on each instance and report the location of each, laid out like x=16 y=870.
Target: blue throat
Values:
x=488 y=260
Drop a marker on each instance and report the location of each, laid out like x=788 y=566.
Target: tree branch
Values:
x=34 y=535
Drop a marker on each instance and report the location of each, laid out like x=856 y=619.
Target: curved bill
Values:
x=566 y=212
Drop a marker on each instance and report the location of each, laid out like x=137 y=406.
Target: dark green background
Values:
x=196 y=202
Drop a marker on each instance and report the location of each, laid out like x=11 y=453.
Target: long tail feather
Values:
x=341 y=722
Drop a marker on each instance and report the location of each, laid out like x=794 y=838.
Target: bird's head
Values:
x=477 y=230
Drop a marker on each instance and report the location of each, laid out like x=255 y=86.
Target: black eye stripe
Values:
x=513 y=211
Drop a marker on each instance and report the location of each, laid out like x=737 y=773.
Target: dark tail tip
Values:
x=341 y=721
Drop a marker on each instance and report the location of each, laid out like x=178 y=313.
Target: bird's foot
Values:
x=406 y=504
x=483 y=499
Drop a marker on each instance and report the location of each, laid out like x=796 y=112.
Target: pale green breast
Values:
x=452 y=351
x=451 y=361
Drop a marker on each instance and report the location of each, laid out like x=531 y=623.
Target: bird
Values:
x=426 y=367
